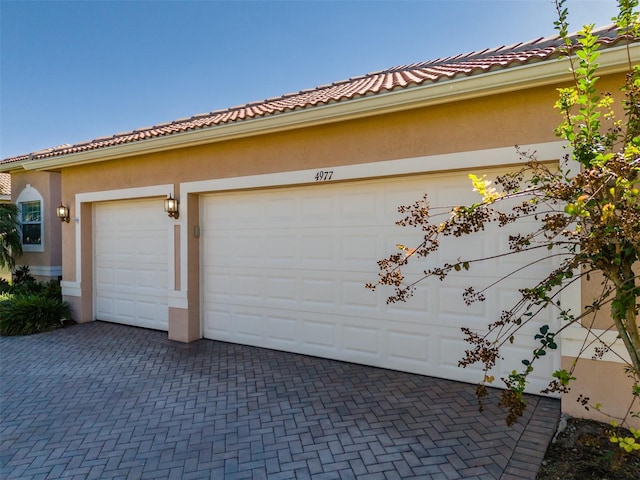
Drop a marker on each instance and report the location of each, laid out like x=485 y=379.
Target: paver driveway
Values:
x=108 y=401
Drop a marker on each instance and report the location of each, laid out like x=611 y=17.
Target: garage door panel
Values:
x=422 y=306
x=282 y=329
x=297 y=282
x=233 y=248
x=316 y=211
x=125 y=309
x=249 y=326
x=217 y=322
x=282 y=291
x=280 y=249
x=451 y=303
x=319 y=292
x=319 y=336
x=317 y=249
x=361 y=340
x=131 y=263
x=408 y=349
x=104 y=306
x=357 y=249
x=124 y=277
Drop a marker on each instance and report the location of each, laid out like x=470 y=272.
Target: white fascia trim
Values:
x=118 y=194
x=500 y=81
x=71 y=289
x=45 y=270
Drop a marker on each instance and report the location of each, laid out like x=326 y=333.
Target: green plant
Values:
x=23 y=275
x=10 y=242
x=29 y=314
x=24 y=283
x=627 y=443
x=52 y=289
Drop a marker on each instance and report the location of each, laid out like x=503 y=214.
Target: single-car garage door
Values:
x=130 y=263
x=285 y=269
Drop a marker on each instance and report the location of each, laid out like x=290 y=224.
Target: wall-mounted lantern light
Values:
x=171 y=207
x=62 y=213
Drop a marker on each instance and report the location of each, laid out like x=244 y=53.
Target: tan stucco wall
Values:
x=602 y=382
x=48 y=185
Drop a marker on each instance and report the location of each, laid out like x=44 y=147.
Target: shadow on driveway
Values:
x=104 y=401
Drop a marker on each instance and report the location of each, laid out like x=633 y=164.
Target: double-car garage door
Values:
x=285 y=268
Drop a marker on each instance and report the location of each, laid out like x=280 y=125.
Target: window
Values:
x=31 y=206
x=31 y=223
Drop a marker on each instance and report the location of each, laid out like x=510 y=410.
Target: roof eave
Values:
x=530 y=75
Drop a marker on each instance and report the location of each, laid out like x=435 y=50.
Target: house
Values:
x=284 y=205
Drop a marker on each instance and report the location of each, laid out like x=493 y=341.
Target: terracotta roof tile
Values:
x=399 y=77
x=5 y=184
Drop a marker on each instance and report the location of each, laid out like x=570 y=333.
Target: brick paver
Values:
x=102 y=401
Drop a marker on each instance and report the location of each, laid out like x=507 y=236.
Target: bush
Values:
x=52 y=289
x=29 y=314
x=5 y=286
x=24 y=283
x=29 y=306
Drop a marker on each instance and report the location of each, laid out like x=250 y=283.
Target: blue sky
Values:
x=72 y=71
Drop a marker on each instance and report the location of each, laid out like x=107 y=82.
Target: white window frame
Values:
x=27 y=195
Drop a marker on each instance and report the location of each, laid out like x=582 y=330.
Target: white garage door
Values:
x=130 y=262
x=285 y=269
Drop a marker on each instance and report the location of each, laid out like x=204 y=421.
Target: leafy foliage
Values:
x=628 y=443
x=29 y=306
x=10 y=243
x=24 y=283
x=588 y=219
x=29 y=314
x=5 y=286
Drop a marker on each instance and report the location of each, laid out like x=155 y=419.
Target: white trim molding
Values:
x=178 y=299
x=493 y=157
x=46 y=270
x=71 y=289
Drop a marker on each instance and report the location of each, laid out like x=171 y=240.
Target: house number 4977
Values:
x=324 y=175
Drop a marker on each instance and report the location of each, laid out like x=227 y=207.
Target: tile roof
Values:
x=5 y=184
x=400 y=77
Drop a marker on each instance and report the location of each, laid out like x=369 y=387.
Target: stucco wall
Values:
x=601 y=382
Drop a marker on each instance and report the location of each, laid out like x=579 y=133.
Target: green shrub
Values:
x=5 y=286
x=25 y=284
x=29 y=314
x=22 y=275
x=53 y=290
